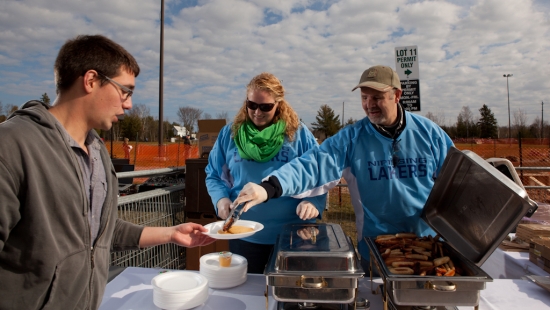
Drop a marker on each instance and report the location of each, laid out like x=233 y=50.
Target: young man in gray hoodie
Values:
x=58 y=188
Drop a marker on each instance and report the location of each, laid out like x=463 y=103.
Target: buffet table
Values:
x=511 y=265
x=132 y=289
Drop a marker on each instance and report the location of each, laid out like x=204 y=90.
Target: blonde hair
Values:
x=270 y=83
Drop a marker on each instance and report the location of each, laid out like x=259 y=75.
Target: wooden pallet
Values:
x=526 y=232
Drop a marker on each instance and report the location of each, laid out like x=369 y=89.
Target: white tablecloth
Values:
x=132 y=290
x=511 y=265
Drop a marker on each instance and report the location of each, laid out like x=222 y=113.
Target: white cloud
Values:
x=213 y=49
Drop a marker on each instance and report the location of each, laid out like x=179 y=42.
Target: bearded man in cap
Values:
x=389 y=160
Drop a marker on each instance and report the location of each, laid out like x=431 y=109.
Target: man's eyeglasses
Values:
x=264 y=107
x=394 y=149
x=126 y=92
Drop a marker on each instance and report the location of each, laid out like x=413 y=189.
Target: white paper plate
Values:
x=212 y=261
x=179 y=282
x=213 y=229
x=223 y=277
x=179 y=290
x=219 y=285
x=170 y=302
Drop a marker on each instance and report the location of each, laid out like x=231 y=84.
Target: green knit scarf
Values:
x=260 y=146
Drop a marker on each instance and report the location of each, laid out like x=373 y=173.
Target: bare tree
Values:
x=189 y=117
x=6 y=110
x=465 y=123
x=141 y=111
x=520 y=118
x=535 y=129
x=2 y=116
x=206 y=116
x=10 y=108
x=520 y=121
x=224 y=115
x=438 y=118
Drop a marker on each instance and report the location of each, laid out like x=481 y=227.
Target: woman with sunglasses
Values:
x=265 y=134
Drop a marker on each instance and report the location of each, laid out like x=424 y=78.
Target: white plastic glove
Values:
x=224 y=207
x=253 y=193
x=306 y=210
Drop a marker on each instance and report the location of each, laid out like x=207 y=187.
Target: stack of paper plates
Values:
x=223 y=277
x=179 y=290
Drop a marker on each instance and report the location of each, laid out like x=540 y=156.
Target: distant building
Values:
x=180 y=131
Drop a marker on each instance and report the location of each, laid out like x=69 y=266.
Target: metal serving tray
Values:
x=327 y=251
x=414 y=290
x=473 y=207
x=323 y=268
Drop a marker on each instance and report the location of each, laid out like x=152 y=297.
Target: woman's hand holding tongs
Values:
x=224 y=207
x=251 y=192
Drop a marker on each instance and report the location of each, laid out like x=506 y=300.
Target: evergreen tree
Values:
x=487 y=123
x=45 y=98
x=350 y=121
x=327 y=121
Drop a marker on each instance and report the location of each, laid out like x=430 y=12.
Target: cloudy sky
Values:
x=212 y=48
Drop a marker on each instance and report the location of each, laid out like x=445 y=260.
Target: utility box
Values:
x=193 y=255
x=123 y=165
x=208 y=133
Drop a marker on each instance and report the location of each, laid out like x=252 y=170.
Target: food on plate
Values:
x=408 y=254
x=228 y=224
x=236 y=229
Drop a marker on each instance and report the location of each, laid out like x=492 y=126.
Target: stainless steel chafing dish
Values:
x=321 y=268
x=473 y=207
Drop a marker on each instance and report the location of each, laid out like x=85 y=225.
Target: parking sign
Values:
x=406 y=66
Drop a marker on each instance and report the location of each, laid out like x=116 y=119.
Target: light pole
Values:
x=343 y=114
x=508 y=91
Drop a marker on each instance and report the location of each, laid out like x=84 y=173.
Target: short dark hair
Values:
x=91 y=52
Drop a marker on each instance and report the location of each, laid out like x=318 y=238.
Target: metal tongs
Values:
x=233 y=216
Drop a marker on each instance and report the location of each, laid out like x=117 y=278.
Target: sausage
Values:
x=423 y=244
x=442 y=260
x=406 y=235
x=417 y=256
x=402 y=264
x=390 y=260
x=401 y=270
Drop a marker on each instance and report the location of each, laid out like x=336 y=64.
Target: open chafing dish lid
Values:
x=321 y=247
x=473 y=206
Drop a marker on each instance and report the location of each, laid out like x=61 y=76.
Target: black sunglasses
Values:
x=394 y=149
x=264 y=107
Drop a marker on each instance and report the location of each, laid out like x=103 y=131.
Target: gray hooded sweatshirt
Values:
x=47 y=258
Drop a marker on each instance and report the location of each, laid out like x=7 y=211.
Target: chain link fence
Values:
x=159 y=207
x=531 y=157
x=149 y=155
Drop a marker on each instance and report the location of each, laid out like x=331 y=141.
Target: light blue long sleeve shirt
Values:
x=227 y=173
x=386 y=199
